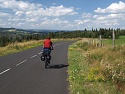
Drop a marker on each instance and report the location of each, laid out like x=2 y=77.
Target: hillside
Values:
x=22 y=31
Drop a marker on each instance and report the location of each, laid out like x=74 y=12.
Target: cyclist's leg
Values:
x=50 y=53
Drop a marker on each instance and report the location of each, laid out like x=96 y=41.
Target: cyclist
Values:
x=48 y=44
x=47 y=47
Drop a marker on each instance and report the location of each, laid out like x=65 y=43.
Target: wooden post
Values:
x=100 y=40
x=113 y=34
x=96 y=43
x=93 y=42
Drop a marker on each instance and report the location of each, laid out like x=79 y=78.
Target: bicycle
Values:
x=46 y=57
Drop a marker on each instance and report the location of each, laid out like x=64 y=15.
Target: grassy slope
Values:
x=16 y=47
x=95 y=70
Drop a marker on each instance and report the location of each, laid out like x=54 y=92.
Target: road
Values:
x=24 y=72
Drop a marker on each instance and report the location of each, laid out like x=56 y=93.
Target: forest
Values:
x=12 y=35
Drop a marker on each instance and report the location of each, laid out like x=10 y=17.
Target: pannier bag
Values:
x=43 y=58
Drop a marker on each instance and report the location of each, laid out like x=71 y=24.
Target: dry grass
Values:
x=16 y=47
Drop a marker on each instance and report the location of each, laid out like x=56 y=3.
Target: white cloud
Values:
x=18 y=5
x=112 y=16
x=113 y=8
x=86 y=15
x=116 y=16
x=24 y=14
x=4 y=15
x=19 y=13
x=109 y=16
x=60 y=10
x=80 y=22
x=101 y=21
x=21 y=7
x=32 y=19
x=54 y=22
x=107 y=21
x=54 y=11
x=101 y=18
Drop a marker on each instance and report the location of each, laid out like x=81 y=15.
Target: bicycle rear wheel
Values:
x=46 y=63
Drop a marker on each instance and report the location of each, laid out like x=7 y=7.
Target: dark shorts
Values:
x=46 y=51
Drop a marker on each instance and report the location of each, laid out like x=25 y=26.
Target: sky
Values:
x=62 y=14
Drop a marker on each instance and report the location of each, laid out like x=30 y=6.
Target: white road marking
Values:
x=30 y=57
x=59 y=44
x=40 y=53
x=33 y=56
x=5 y=71
x=21 y=62
x=55 y=45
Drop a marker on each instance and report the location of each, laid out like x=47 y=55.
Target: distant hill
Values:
x=15 y=30
x=11 y=30
x=23 y=31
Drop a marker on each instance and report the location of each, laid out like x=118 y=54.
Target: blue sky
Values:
x=62 y=14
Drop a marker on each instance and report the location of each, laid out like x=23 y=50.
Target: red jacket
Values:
x=47 y=43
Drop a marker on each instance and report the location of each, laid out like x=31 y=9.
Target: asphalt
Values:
x=24 y=72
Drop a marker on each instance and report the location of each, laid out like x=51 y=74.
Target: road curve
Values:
x=24 y=72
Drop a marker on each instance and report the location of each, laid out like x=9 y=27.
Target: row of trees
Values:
x=6 y=38
x=94 y=33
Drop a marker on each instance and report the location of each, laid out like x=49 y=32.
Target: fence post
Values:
x=113 y=34
x=93 y=42
x=100 y=40
x=96 y=43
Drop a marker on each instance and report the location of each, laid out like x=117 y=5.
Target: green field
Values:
x=119 y=41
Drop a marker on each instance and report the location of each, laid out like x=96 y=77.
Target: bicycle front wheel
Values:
x=46 y=63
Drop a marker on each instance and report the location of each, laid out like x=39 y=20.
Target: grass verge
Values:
x=94 y=70
x=17 y=47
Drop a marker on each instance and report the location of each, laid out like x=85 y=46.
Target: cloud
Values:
x=80 y=22
x=18 y=5
x=113 y=8
x=60 y=10
x=19 y=13
x=24 y=14
x=108 y=20
x=112 y=16
x=86 y=15
x=53 y=22
x=31 y=15
x=4 y=15
x=21 y=7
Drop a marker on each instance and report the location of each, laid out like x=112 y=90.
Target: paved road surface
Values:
x=24 y=72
